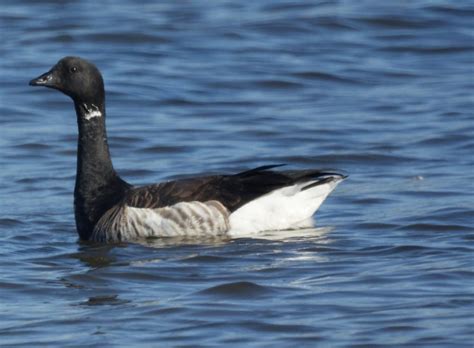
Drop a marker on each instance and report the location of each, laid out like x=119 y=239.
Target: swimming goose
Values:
x=108 y=209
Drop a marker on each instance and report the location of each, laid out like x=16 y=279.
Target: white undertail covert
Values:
x=291 y=207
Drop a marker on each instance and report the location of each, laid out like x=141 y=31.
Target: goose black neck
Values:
x=98 y=187
x=93 y=155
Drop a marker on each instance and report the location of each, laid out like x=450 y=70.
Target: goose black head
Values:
x=75 y=77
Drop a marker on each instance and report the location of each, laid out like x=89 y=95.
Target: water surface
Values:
x=382 y=90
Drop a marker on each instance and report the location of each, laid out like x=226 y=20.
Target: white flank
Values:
x=92 y=111
x=283 y=209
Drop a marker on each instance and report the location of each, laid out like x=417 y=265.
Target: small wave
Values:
x=180 y=101
x=384 y=250
x=426 y=227
x=427 y=50
x=333 y=23
x=320 y=249
x=205 y=259
x=33 y=146
x=164 y=311
x=287 y=6
x=277 y=328
x=101 y=300
x=322 y=76
x=445 y=140
x=376 y=226
x=400 y=328
x=402 y=23
x=244 y=290
x=279 y=84
x=165 y=149
x=12 y=286
x=126 y=37
x=282 y=28
x=371 y=201
x=8 y=222
x=447 y=9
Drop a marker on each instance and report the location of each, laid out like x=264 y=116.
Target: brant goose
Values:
x=108 y=209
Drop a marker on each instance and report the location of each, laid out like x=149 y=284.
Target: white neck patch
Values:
x=91 y=111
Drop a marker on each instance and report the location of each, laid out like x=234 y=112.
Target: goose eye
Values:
x=73 y=69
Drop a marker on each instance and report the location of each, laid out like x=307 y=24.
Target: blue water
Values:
x=382 y=90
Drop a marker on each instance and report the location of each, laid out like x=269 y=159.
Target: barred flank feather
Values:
x=182 y=219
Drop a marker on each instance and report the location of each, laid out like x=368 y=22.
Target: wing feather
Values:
x=232 y=191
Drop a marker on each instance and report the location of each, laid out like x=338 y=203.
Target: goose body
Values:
x=108 y=209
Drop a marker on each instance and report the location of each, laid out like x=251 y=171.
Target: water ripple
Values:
x=380 y=90
x=243 y=290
